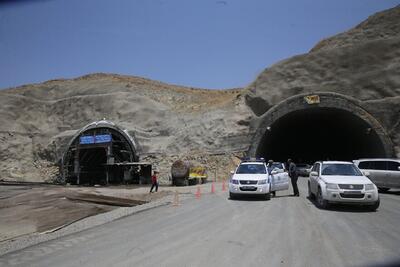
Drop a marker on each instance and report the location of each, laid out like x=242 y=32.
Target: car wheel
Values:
x=310 y=194
x=267 y=196
x=375 y=206
x=322 y=203
x=383 y=189
x=232 y=195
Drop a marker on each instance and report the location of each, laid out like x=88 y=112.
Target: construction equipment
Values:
x=185 y=173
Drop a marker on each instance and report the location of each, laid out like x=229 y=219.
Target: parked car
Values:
x=341 y=182
x=303 y=169
x=251 y=178
x=385 y=173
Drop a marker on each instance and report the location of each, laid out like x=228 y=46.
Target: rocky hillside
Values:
x=363 y=63
x=171 y=122
x=37 y=121
x=381 y=26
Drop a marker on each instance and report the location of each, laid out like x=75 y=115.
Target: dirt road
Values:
x=216 y=231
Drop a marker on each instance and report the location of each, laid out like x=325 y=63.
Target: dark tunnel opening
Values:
x=320 y=134
x=91 y=162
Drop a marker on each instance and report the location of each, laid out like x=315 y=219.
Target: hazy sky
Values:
x=203 y=43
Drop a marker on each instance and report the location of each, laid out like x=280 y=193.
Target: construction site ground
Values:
x=39 y=208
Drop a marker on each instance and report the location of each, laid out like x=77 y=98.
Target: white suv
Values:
x=341 y=182
x=385 y=173
x=250 y=177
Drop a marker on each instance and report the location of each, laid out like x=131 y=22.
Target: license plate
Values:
x=352 y=192
x=248 y=187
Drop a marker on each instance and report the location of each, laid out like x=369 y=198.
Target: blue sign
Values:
x=103 y=138
x=85 y=140
x=95 y=139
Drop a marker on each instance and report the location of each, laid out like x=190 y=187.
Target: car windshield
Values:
x=251 y=169
x=340 y=169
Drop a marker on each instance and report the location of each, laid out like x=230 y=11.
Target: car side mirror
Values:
x=274 y=172
x=232 y=172
x=366 y=173
x=313 y=174
x=398 y=168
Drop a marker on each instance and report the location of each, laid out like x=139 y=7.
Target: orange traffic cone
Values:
x=212 y=188
x=198 y=193
x=175 y=203
x=223 y=186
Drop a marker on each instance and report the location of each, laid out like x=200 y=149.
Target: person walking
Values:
x=269 y=169
x=292 y=170
x=154 y=182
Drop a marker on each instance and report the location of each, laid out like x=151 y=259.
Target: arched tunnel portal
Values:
x=324 y=126
x=99 y=153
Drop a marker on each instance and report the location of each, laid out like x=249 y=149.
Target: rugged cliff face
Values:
x=168 y=122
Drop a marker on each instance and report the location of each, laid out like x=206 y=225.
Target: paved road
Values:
x=215 y=231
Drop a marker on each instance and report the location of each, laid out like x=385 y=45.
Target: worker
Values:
x=269 y=169
x=154 y=182
x=292 y=170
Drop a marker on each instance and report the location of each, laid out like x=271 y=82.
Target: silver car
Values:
x=341 y=182
x=385 y=173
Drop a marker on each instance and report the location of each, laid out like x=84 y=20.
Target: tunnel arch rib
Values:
x=323 y=101
x=127 y=148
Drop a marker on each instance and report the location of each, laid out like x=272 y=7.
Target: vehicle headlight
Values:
x=262 y=181
x=233 y=181
x=331 y=186
x=369 y=187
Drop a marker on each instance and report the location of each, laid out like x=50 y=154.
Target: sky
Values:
x=212 y=44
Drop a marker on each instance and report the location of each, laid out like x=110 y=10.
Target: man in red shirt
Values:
x=154 y=182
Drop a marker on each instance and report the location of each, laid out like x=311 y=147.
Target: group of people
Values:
x=293 y=174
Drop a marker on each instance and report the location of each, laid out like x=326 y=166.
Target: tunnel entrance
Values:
x=102 y=153
x=334 y=127
x=92 y=162
x=320 y=134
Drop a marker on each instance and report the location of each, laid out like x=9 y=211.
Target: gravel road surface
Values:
x=216 y=231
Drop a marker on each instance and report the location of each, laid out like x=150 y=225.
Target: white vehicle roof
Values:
x=336 y=162
x=378 y=159
x=252 y=162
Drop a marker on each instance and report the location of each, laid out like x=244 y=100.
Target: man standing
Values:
x=269 y=169
x=154 y=182
x=292 y=170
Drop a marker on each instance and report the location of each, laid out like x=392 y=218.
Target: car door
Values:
x=314 y=179
x=393 y=174
x=378 y=172
x=279 y=180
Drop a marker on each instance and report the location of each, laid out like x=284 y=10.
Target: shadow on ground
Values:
x=344 y=207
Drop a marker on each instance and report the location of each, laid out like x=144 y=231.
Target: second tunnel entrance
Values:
x=334 y=128
x=320 y=134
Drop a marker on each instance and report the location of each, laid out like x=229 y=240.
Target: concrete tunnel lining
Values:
x=88 y=165
x=347 y=130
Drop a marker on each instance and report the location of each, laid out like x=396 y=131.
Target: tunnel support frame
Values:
x=108 y=146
